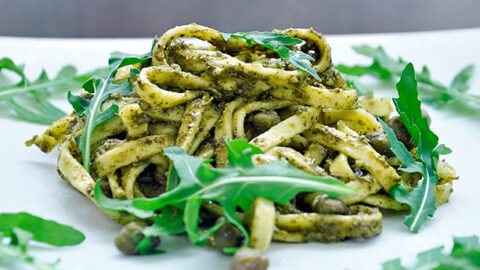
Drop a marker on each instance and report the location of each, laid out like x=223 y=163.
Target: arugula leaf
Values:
x=8 y=64
x=361 y=88
x=169 y=222
x=465 y=254
x=192 y=211
x=278 y=42
x=400 y=151
x=119 y=205
x=432 y=92
x=33 y=95
x=45 y=231
x=20 y=237
x=461 y=80
x=422 y=199
x=17 y=250
x=234 y=186
x=101 y=88
x=21 y=228
x=204 y=181
x=465 y=244
x=270 y=39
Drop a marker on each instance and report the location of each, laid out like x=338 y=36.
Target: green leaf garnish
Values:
x=462 y=79
x=279 y=43
x=362 y=89
x=45 y=231
x=16 y=250
x=169 y=222
x=401 y=152
x=234 y=186
x=101 y=88
x=465 y=254
x=422 y=199
x=29 y=99
x=432 y=92
x=21 y=228
x=119 y=205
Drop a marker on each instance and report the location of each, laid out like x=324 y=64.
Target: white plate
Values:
x=30 y=183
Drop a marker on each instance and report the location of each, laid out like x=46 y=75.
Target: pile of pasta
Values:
x=200 y=90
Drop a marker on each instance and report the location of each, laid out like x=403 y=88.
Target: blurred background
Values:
x=145 y=18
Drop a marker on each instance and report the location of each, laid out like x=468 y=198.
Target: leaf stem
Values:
x=273 y=179
x=6 y=93
x=90 y=123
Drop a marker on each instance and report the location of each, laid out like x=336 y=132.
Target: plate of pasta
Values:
x=250 y=150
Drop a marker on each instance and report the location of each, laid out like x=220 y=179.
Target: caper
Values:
x=227 y=236
x=127 y=239
x=401 y=132
x=379 y=142
x=249 y=259
x=321 y=203
x=265 y=120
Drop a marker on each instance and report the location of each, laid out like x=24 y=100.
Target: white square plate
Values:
x=29 y=181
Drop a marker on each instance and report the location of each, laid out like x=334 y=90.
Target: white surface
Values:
x=29 y=181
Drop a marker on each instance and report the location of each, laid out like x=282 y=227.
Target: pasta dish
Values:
x=201 y=90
